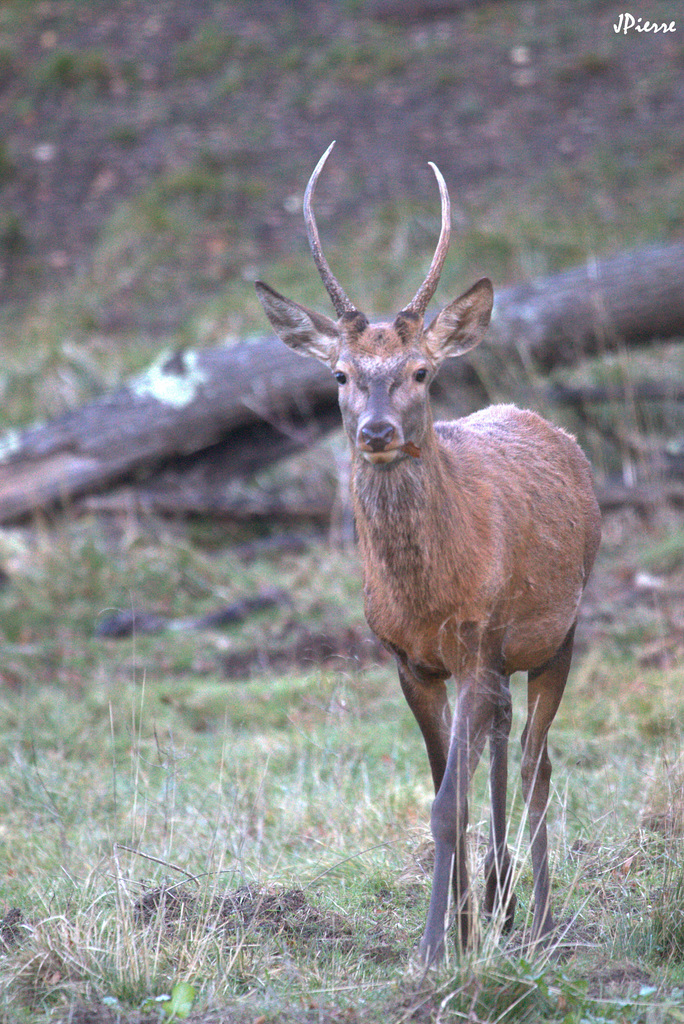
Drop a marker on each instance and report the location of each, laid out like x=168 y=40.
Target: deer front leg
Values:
x=544 y=691
x=449 y=821
x=426 y=695
x=498 y=882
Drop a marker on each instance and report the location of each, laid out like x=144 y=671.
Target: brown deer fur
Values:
x=477 y=537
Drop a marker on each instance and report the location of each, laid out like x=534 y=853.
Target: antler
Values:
x=340 y=300
x=427 y=289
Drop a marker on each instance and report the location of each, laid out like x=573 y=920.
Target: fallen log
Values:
x=179 y=504
x=227 y=410
x=629 y=300
x=644 y=498
x=220 y=402
x=643 y=391
x=611 y=495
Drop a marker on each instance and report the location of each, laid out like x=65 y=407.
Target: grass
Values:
x=265 y=841
x=73 y=69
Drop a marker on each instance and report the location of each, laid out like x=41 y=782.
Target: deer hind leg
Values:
x=449 y=818
x=544 y=691
x=498 y=868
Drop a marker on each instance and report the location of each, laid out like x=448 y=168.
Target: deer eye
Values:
x=420 y=375
x=340 y=377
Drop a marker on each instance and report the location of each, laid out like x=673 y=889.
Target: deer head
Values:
x=383 y=370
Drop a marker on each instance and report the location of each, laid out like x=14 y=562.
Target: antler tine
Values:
x=420 y=301
x=340 y=300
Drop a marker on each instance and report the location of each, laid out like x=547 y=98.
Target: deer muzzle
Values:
x=377 y=435
x=380 y=442
x=377 y=441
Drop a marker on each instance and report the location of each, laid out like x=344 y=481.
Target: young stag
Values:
x=477 y=537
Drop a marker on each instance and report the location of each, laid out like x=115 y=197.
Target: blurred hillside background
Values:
x=153 y=157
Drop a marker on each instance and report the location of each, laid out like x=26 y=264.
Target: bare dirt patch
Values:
x=274 y=911
x=12 y=928
x=266 y=911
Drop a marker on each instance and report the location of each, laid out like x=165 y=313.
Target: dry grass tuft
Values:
x=664 y=805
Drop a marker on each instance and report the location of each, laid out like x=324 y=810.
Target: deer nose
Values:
x=377 y=434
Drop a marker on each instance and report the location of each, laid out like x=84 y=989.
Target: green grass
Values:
x=277 y=826
x=74 y=69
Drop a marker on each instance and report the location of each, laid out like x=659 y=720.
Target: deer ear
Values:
x=461 y=325
x=307 y=332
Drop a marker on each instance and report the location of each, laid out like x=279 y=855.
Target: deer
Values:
x=477 y=537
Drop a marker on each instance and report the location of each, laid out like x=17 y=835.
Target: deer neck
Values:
x=405 y=514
